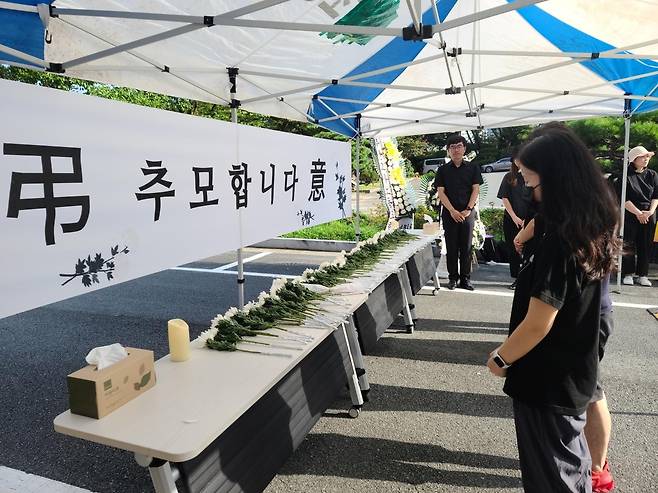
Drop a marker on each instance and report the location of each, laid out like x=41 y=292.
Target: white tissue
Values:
x=104 y=356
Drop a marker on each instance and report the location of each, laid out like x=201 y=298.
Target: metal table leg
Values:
x=352 y=379
x=437 y=284
x=163 y=475
x=408 y=309
x=357 y=356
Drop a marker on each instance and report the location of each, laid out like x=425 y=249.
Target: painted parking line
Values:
x=244 y=261
x=632 y=305
x=234 y=272
x=15 y=481
x=258 y=274
x=225 y=266
x=430 y=288
x=504 y=294
x=486 y=292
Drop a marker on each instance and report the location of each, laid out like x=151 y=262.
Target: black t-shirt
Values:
x=458 y=182
x=560 y=372
x=641 y=188
x=606 y=301
x=519 y=195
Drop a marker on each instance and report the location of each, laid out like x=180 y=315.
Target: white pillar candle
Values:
x=179 y=339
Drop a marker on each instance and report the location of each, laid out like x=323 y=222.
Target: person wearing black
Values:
x=550 y=358
x=640 y=216
x=516 y=199
x=458 y=185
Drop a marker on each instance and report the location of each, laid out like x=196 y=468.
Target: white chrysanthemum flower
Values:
x=214 y=321
x=262 y=297
x=324 y=265
x=307 y=273
x=340 y=260
x=276 y=285
x=230 y=312
x=247 y=308
x=207 y=334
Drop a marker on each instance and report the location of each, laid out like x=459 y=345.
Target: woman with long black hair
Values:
x=516 y=199
x=550 y=358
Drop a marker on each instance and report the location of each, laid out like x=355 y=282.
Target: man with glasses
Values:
x=458 y=185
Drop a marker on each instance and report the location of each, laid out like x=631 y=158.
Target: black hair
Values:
x=456 y=139
x=576 y=204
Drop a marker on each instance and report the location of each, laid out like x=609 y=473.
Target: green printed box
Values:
x=96 y=393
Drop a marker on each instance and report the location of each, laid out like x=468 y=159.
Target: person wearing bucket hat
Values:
x=640 y=216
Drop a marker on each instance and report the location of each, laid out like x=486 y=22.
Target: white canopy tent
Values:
x=368 y=68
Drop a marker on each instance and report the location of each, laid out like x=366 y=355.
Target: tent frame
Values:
x=192 y=23
x=416 y=32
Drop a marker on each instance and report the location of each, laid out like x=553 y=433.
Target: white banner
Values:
x=489 y=190
x=95 y=192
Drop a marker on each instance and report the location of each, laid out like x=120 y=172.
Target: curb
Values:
x=306 y=244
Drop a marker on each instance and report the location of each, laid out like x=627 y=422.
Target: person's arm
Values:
x=454 y=213
x=642 y=216
x=525 y=235
x=630 y=207
x=473 y=199
x=654 y=197
x=646 y=215
x=535 y=326
x=510 y=210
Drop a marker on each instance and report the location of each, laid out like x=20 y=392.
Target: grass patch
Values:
x=341 y=230
x=371 y=187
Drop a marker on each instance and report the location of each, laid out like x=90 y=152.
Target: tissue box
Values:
x=431 y=228
x=96 y=393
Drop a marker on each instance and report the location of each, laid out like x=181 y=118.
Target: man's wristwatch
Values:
x=500 y=362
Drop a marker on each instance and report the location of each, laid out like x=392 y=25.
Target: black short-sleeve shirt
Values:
x=458 y=182
x=641 y=188
x=519 y=195
x=560 y=372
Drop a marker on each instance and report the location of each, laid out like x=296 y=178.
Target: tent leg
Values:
x=627 y=138
x=232 y=74
x=357 y=223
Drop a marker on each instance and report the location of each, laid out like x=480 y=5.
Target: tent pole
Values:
x=357 y=222
x=627 y=138
x=232 y=75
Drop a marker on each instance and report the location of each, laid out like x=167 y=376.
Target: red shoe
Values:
x=602 y=481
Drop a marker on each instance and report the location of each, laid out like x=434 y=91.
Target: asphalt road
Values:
x=40 y=347
x=436 y=422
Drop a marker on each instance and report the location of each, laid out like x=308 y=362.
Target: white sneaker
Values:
x=644 y=281
x=628 y=280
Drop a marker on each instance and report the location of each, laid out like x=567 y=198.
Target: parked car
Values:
x=504 y=164
x=433 y=164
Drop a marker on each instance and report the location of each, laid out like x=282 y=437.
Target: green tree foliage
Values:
x=417 y=148
x=190 y=107
x=604 y=135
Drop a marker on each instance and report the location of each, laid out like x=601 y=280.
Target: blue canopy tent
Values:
x=368 y=68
